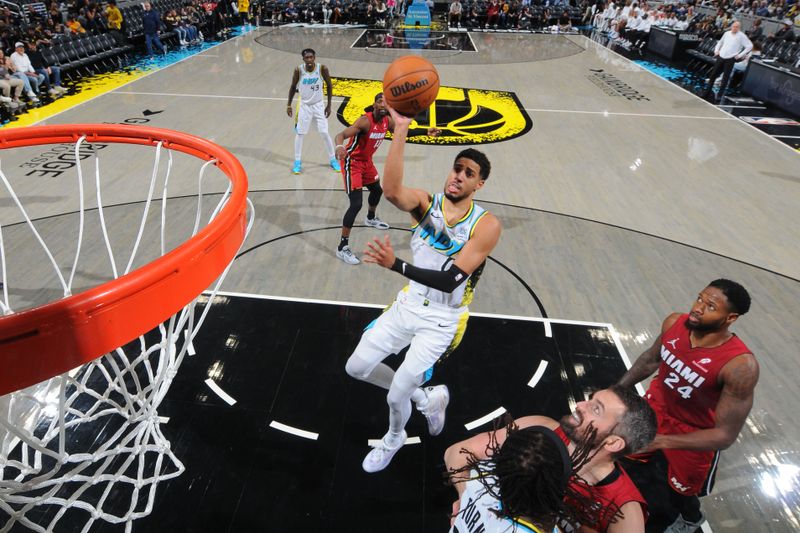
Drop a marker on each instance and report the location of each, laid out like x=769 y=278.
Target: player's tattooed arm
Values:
x=647 y=363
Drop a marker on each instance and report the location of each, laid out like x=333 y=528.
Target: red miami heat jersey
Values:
x=362 y=145
x=613 y=491
x=685 y=387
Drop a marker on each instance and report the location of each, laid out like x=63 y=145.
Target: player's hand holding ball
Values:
x=410 y=85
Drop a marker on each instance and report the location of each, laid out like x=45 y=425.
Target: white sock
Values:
x=328 y=145
x=393 y=440
x=420 y=398
x=298 y=146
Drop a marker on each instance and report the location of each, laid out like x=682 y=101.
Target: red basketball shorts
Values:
x=357 y=174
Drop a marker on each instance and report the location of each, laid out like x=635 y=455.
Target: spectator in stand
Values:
x=151 y=24
x=740 y=67
x=243 y=8
x=763 y=10
x=173 y=23
x=391 y=5
x=24 y=71
x=55 y=14
x=784 y=33
x=74 y=25
x=9 y=82
x=93 y=21
x=473 y=18
x=290 y=14
x=734 y=46
x=503 y=17
x=113 y=16
x=455 y=14
x=326 y=11
x=337 y=12
x=525 y=19
x=190 y=21
x=564 y=24
x=380 y=14
x=51 y=74
x=492 y=14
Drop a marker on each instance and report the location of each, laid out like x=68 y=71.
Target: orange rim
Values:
x=54 y=338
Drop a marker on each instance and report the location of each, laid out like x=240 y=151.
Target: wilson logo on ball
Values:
x=399 y=90
x=465 y=116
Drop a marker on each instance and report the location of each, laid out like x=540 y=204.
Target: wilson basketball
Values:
x=410 y=85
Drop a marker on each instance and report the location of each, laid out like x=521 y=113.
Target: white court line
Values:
x=163 y=419
x=381 y=306
x=486 y=418
x=548 y=329
x=616 y=113
x=410 y=440
x=221 y=393
x=283 y=99
x=294 y=431
x=538 y=374
x=221 y=96
x=190 y=347
x=114 y=91
x=788 y=136
x=743 y=106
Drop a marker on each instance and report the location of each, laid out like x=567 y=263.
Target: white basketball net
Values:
x=68 y=444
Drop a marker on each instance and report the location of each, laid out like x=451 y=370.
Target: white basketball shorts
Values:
x=311 y=114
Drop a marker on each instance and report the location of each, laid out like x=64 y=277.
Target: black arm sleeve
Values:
x=441 y=280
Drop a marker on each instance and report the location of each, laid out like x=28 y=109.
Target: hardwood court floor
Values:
x=624 y=197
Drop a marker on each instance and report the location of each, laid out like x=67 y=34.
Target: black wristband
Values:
x=397 y=266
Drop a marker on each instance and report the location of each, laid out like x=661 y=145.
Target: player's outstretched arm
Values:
x=404 y=198
x=647 y=363
x=360 y=125
x=292 y=90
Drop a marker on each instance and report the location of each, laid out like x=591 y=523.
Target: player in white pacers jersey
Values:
x=309 y=77
x=452 y=239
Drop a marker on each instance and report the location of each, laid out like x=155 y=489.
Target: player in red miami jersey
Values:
x=358 y=170
x=702 y=394
x=611 y=423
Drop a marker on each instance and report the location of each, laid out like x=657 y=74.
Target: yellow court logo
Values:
x=465 y=116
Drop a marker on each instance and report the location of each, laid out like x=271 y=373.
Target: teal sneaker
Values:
x=298 y=166
x=335 y=165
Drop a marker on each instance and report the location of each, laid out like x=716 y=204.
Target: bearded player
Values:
x=702 y=394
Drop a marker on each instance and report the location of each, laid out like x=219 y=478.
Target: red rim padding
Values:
x=40 y=343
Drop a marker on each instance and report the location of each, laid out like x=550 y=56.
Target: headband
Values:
x=566 y=461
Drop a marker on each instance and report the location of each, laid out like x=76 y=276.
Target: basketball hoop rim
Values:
x=54 y=338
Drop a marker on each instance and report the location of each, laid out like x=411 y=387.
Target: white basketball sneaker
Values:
x=347 y=255
x=381 y=455
x=434 y=410
x=376 y=223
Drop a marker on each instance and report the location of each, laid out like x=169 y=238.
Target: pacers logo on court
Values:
x=465 y=116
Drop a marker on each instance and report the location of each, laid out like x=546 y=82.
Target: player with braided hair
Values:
x=611 y=423
x=528 y=484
